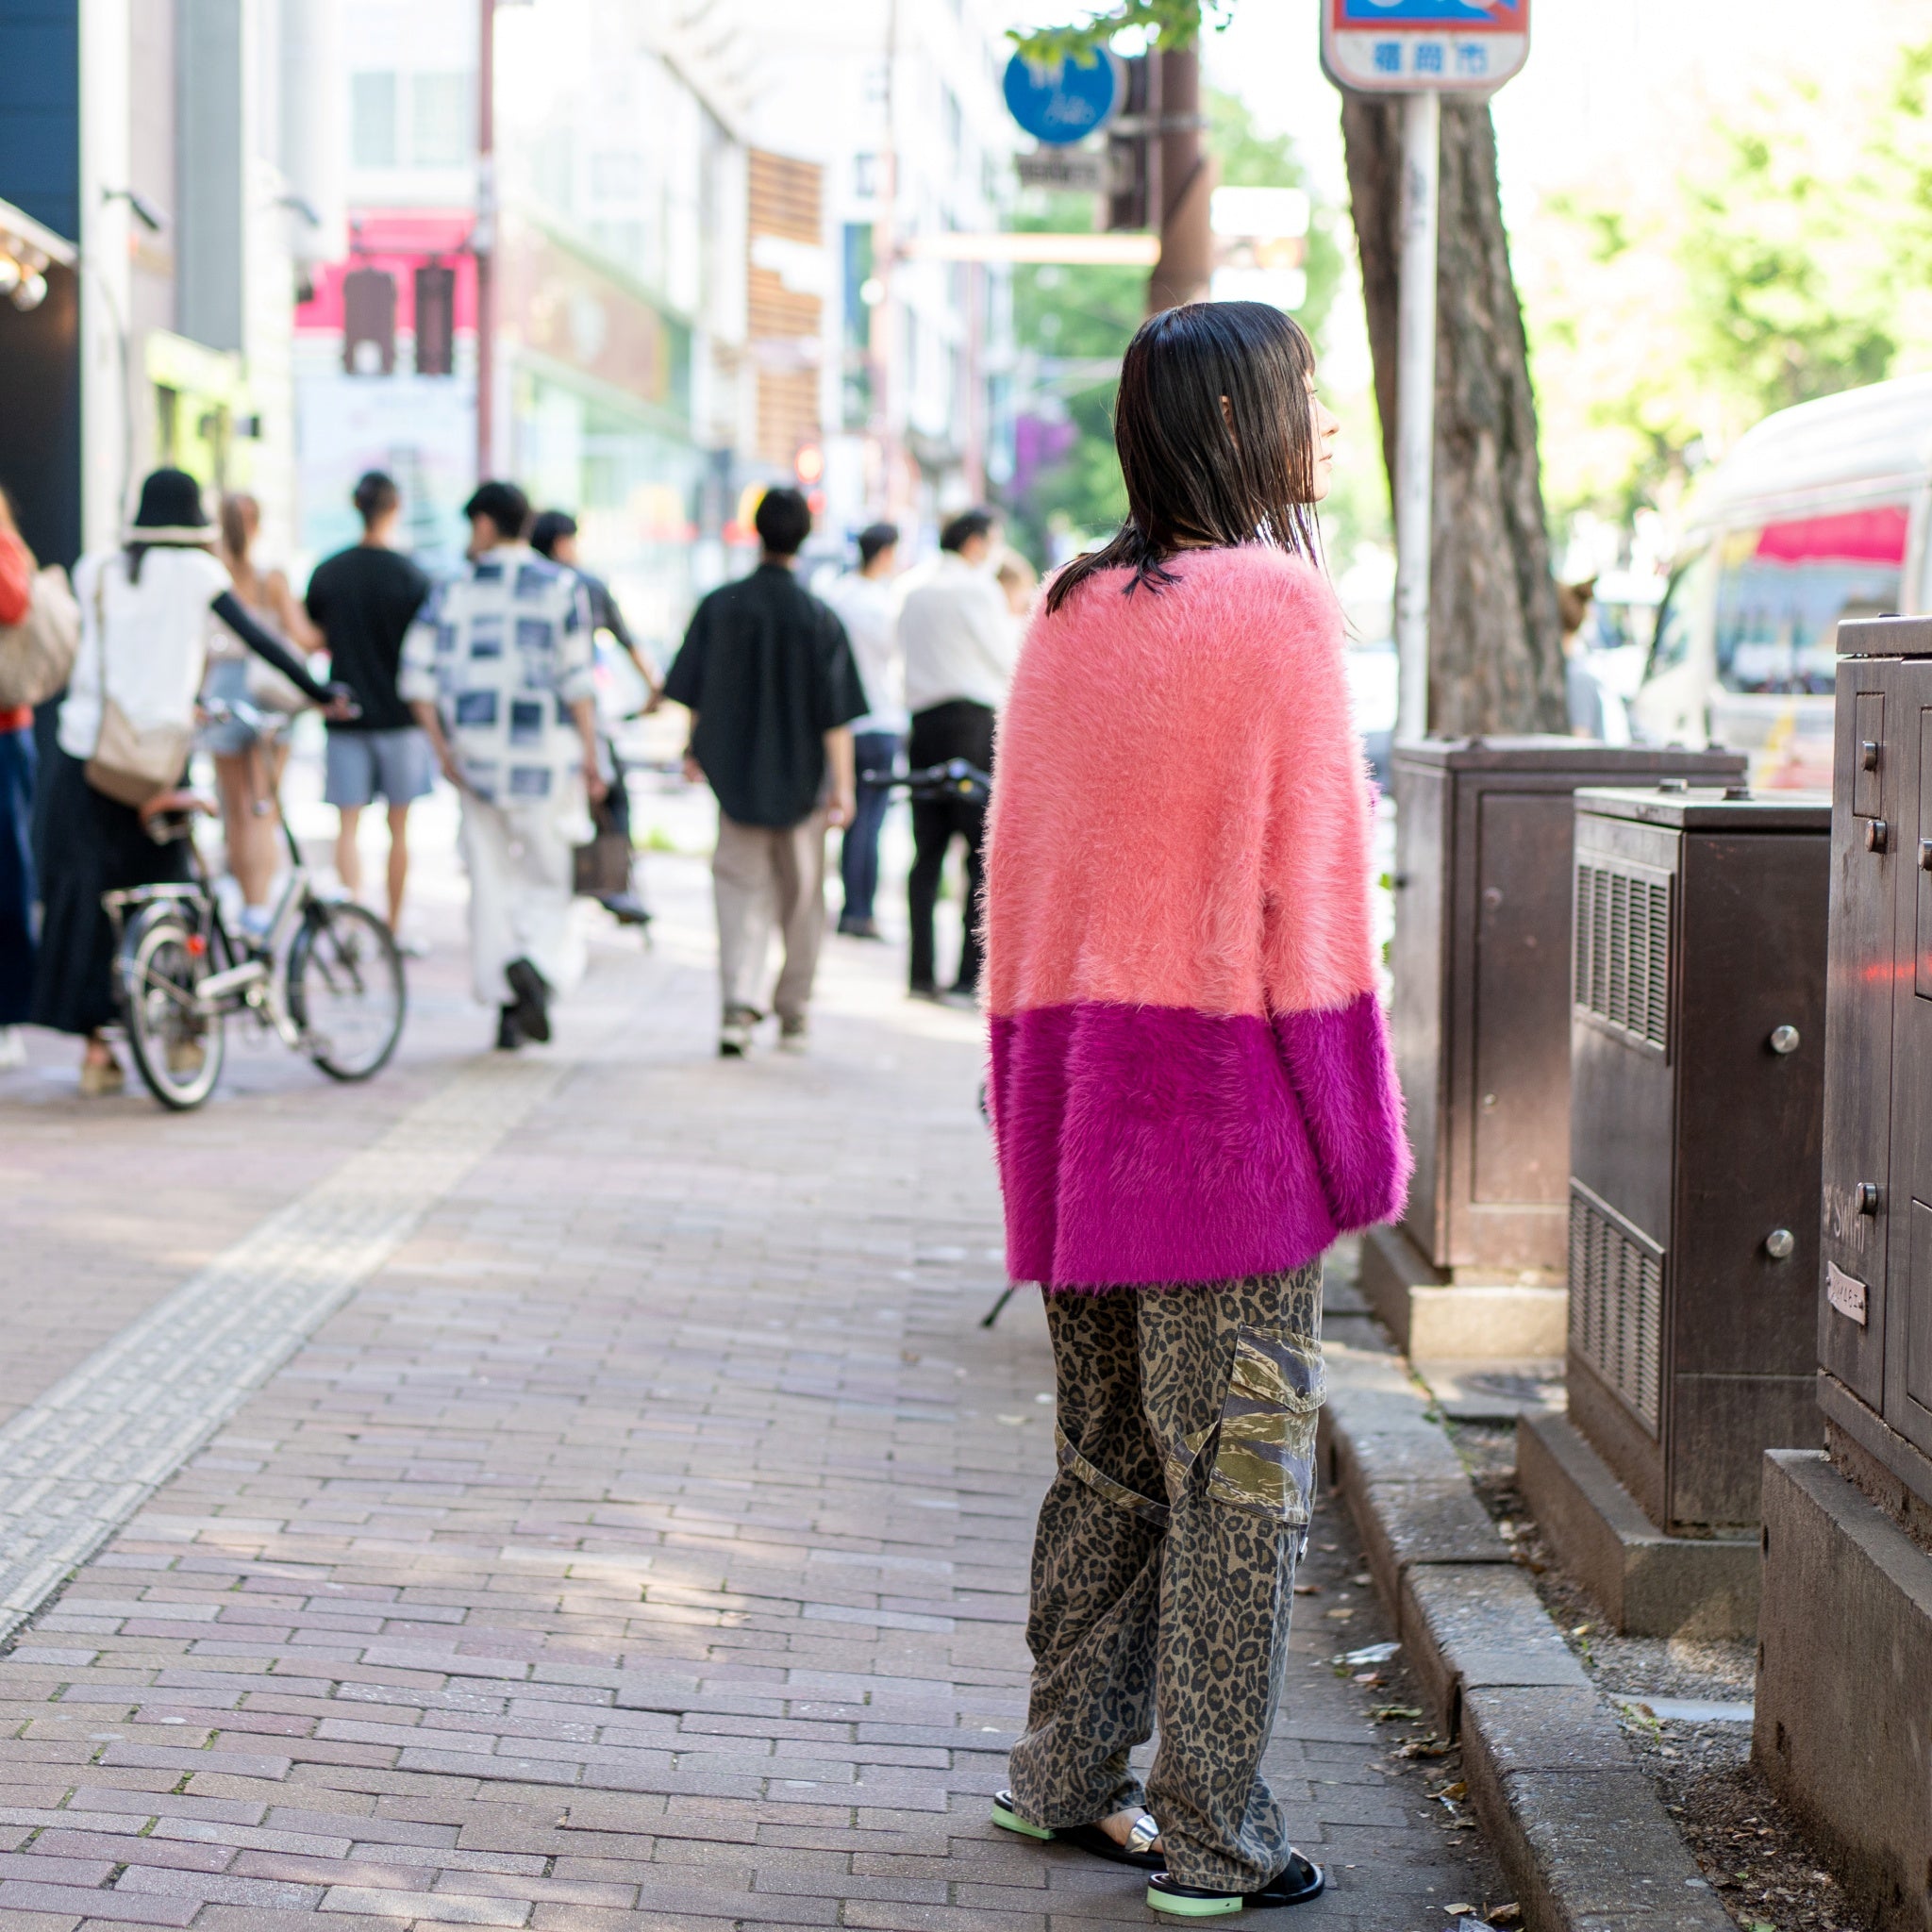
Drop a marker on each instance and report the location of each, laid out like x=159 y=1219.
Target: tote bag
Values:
x=132 y=763
x=36 y=654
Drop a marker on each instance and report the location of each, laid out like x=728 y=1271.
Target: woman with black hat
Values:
x=147 y=611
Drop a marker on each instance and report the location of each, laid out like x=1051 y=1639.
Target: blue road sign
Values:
x=1065 y=102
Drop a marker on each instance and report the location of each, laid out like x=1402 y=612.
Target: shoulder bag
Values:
x=36 y=654
x=603 y=866
x=130 y=764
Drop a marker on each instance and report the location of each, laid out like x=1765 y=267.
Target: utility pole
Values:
x=1181 y=182
x=882 y=332
x=483 y=237
x=1415 y=409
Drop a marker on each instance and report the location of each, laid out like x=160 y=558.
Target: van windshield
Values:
x=1784 y=588
x=1684 y=612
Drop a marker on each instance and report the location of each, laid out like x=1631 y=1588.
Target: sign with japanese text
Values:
x=1411 y=46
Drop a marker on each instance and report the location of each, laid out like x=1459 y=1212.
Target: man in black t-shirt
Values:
x=363 y=600
x=767 y=673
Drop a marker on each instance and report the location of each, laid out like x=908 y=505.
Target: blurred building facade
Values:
x=689 y=221
x=899 y=104
x=171 y=142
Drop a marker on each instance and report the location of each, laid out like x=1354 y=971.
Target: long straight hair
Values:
x=1216 y=442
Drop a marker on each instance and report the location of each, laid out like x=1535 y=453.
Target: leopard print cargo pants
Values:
x=1163 y=1565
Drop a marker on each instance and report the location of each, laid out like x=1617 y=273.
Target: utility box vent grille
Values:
x=1623 y=962
x=1616 y=1302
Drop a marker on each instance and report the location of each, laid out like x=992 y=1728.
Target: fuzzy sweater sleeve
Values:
x=1319 y=955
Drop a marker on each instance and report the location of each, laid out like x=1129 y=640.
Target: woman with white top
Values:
x=247 y=771
x=147 y=615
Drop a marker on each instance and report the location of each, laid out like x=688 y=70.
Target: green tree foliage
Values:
x=1168 y=23
x=1788 y=260
x=1246 y=157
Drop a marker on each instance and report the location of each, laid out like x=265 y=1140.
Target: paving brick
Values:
x=639 y=1547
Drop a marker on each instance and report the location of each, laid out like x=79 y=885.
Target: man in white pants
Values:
x=496 y=669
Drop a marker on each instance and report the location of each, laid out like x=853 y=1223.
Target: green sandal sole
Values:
x=1192 y=1908
x=1012 y=1820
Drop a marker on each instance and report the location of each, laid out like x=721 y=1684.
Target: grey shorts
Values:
x=363 y=765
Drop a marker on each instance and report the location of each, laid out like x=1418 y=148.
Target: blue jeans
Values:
x=858 y=850
x=16 y=875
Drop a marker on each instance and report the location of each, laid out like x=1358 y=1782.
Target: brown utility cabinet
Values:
x=1696 y=1124
x=1874 y=1308
x=1483 y=833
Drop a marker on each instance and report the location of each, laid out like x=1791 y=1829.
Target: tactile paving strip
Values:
x=77 y=1463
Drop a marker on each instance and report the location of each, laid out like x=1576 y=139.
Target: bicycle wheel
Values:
x=177 y=1048
x=346 y=989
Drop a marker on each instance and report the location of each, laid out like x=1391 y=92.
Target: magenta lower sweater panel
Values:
x=1144 y=1145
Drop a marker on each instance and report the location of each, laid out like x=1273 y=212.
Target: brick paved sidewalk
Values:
x=643 y=1546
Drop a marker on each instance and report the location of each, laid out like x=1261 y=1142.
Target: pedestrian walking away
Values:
x=554 y=534
x=123 y=735
x=767 y=675
x=959 y=641
x=363 y=600
x=1191 y=1096
x=868 y=608
x=247 y=769
x=497 y=671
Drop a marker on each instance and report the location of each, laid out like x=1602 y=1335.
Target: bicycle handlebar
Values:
x=956 y=778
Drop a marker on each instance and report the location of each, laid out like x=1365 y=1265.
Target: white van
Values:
x=1819 y=514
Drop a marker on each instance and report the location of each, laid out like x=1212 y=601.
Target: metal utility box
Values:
x=1875 y=1313
x=1483 y=831
x=1697 y=1059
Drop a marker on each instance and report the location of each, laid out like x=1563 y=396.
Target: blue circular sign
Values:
x=1063 y=103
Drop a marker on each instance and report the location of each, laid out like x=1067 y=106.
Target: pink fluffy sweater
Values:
x=1191 y=1070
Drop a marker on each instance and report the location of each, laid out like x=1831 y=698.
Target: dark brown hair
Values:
x=1198 y=473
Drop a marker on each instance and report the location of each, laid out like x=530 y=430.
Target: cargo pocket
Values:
x=1264 y=1455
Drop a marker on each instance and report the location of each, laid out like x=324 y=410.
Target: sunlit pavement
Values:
x=641 y=1543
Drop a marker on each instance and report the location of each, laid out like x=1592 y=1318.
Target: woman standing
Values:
x=147 y=614
x=247 y=770
x=1192 y=1094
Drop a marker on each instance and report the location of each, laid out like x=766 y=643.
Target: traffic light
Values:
x=368 y=321
x=436 y=320
x=1131 y=206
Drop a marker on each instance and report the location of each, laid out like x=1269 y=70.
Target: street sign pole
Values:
x=1419 y=50
x=1415 y=409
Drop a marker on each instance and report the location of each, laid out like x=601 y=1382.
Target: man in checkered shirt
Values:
x=497 y=671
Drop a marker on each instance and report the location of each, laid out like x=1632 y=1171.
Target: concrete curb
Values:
x=1577 y=1827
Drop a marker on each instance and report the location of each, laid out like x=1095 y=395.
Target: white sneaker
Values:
x=412 y=944
x=734 y=1035
x=794 y=1036
x=12 y=1047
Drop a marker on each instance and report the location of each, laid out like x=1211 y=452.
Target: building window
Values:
x=616 y=174
x=440 y=120
x=372 y=120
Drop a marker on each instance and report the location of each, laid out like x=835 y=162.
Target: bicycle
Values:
x=325 y=977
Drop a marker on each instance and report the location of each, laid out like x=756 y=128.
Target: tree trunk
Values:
x=1495 y=646
x=1184 y=180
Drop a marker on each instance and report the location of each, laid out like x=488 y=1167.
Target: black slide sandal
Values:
x=1301 y=1881
x=1083 y=1838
